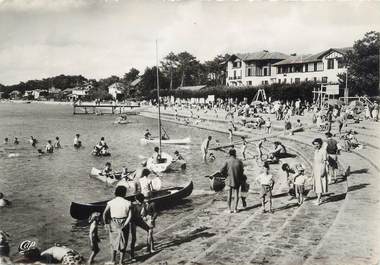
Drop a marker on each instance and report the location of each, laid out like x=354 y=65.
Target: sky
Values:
x=100 y=38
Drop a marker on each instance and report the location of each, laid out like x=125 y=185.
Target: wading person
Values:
x=77 y=142
x=119 y=209
x=204 y=147
x=233 y=168
x=93 y=235
x=319 y=169
x=49 y=147
x=57 y=143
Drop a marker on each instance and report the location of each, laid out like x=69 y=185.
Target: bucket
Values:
x=217 y=184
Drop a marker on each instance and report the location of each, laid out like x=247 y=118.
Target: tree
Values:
x=363 y=66
x=132 y=75
x=216 y=70
x=149 y=81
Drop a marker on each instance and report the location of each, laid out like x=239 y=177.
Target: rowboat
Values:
x=96 y=173
x=163 y=166
x=162 y=198
x=186 y=140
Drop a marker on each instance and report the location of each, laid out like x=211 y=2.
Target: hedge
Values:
x=289 y=92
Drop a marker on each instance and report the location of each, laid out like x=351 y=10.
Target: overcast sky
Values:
x=98 y=38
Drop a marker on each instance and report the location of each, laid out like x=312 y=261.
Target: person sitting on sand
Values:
x=16 y=141
x=177 y=156
x=278 y=152
x=63 y=255
x=3 y=202
x=147 y=135
x=77 y=142
x=57 y=143
x=49 y=147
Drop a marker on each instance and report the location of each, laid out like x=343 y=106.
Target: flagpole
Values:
x=158 y=100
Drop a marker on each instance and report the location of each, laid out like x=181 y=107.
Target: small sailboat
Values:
x=165 y=160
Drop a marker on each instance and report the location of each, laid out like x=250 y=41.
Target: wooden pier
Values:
x=103 y=109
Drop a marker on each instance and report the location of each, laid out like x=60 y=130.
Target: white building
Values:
x=116 y=89
x=252 y=69
x=80 y=92
x=322 y=67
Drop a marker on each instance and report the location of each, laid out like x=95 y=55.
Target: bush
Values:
x=289 y=92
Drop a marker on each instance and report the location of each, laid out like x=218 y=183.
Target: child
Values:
x=16 y=141
x=244 y=191
x=244 y=147
x=149 y=215
x=299 y=183
x=230 y=135
x=93 y=234
x=268 y=125
x=49 y=147
x=266 y=181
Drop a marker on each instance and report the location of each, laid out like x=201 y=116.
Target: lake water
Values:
x=42 y=188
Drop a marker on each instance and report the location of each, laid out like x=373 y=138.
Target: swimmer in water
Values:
x=16 y=141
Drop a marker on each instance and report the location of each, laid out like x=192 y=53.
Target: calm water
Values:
x=42 y=188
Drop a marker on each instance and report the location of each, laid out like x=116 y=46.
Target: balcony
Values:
x=234 y=77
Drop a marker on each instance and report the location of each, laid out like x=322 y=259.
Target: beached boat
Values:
x=96 y=173
x=162 y=198
x=186 y=140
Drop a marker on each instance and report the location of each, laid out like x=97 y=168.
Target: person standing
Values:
x=332 y=157
x=93 y=235
x=234 y=170
x=119 y=210
x=319 y=170
x=77 y=142
x=244 y=147
x=266 y=182
x=204 y=147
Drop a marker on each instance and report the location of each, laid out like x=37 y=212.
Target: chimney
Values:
x=293 y=54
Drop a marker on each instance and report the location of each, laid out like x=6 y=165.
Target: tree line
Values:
x=184 y=69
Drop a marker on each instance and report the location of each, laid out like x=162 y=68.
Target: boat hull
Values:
x=171 y=141
x=162 y=198
x=160 y=167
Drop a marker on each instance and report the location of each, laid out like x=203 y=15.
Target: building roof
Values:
x=263 y=55
x=136 y=82
x=309 y=58
x=192 y=88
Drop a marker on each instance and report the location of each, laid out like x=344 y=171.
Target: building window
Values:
x=306 y=68
x=279 y=70
x=298 y=68
x=266 y=82
x=330 y=64
x=249 y=73
x=315 y=67
x=249 y=83
x=265 y=71
x=324 y=79
x=236 y=64
x=297 y=80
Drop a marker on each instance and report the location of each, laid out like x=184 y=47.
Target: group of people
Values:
x=101 y=148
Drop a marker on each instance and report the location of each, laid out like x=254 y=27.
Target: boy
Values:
x=266 y=181
x=57 y=143
x=244 y=190
x=107 y=170
x=299 y=183
x=244 y=147
x=49 y=147
x=93 y=234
